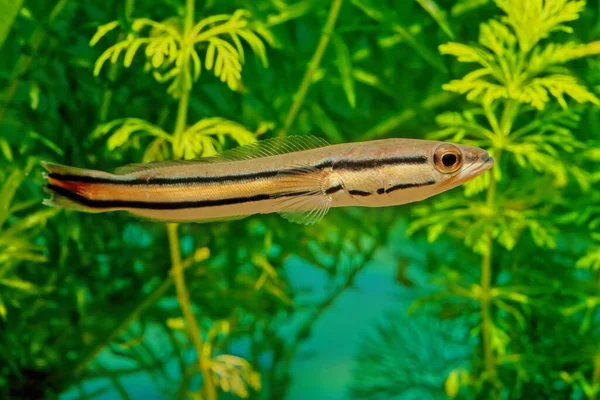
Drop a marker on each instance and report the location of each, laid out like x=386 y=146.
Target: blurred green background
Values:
x=489 y=291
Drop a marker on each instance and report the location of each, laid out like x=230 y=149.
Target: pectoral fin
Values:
x=306 y=194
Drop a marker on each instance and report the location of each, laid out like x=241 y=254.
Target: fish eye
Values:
x=447 y=158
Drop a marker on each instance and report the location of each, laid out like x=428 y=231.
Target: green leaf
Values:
x=125 y=127
x=6 y=150
x=19 y=284
x=47 y=142
x=477 y=185
x=326 y=124
x=498 y=38
x=465 y=6
x=591 y=260
x=559 y=53
x=438 y=15
x=37 y=218
x=7 y=192
x=132 y=50
x=383 y=16
x=371 y=80
x=534 y=20
x=34 y=96
x=467 y=54
x=344 y=64
x=195 y=141
x=452 y=384
x=290 y=12
x=102 y=30
x=557 y=85
x=8 y=12
x=2 y=308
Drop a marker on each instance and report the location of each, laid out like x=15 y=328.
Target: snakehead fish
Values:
x=299 y=177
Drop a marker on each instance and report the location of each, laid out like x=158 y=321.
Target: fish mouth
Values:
x=481 y=164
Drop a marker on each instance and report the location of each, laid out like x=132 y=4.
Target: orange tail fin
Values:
x=69 y=187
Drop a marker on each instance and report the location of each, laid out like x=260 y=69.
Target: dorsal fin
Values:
x=270 y=147
x=258 y=149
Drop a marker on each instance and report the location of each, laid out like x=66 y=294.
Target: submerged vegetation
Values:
x=505 y=277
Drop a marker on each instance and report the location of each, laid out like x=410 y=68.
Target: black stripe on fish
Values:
x=379 y=162
x=334 y=189
x=335 y=165
x=355 y=192
x=163 y=180
x=166 y=205
x=406 y=186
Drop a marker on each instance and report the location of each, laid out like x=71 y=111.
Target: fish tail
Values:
x=63 y=200
x=73 y=188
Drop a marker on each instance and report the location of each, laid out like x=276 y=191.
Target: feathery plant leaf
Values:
x=205 y=138
x=534 y=20
x=522 y=116
x=511 y=72
x=408 y=357
x=18 y=222
x=234 y=374
x=172 y=58
x=470 y=220
x=438 y=15
x=591 y=260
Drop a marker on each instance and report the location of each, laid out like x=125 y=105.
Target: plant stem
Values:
x=184 y=302
x=177 y=265
x=595 y=376
x=129 y=318
x=485 y=300
x=596 y=360
x=182 y=111
x=501 y=129
x=312 y=66
x=508 y=117
x=25 y=59
x=113 y=69
x=184 y=100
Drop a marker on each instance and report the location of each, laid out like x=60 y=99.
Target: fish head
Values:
x=411 y=170
x=453 y=164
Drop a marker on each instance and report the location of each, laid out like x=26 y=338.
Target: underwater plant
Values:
x=94 y=306
x=518 y=109
x=411 y=357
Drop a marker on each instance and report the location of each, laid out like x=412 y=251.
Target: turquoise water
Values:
x=322 y=368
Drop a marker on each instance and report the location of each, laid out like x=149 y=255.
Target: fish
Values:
x=299 y=177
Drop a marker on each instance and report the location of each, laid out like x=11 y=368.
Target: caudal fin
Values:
x=63 y=200
x=68 y=187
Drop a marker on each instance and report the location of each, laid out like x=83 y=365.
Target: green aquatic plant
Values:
x=19 y=223
x=91 y=302
x=171 y=54
x=519 y=75
x=171 y=50
x=407 y=357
